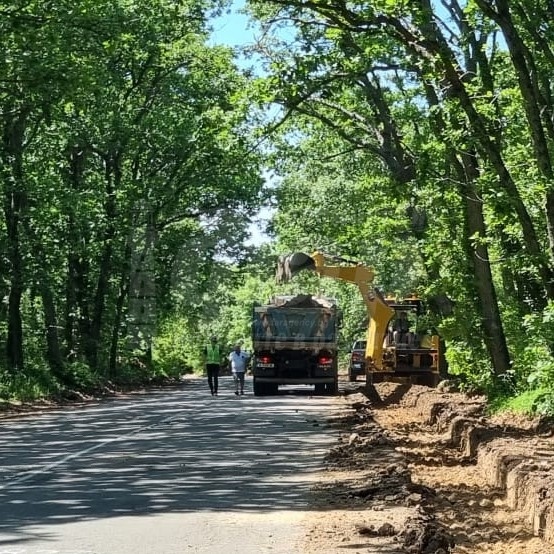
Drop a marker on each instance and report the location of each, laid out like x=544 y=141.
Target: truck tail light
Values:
x=325 y=360
x=265 y=361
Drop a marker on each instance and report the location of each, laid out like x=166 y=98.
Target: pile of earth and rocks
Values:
x=428 y=471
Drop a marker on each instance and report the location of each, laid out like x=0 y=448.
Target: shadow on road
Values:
x=176 y=451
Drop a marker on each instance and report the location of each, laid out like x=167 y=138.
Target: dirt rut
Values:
x=513 y=456
x=426 y=471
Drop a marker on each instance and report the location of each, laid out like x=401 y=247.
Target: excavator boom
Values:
x=289 y=265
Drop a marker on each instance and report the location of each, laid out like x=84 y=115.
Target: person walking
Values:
x=213 y=361
x=238 y=360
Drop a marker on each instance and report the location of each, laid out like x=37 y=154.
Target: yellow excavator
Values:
x=393 y=353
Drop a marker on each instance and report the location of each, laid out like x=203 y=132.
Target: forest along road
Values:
x=164 y=472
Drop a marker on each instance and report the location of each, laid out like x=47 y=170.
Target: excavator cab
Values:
x=411 y=353
x=403 y=326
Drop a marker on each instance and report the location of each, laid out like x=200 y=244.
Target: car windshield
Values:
x=359 y=345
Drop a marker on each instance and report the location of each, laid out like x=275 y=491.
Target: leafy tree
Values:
x=418 y=91
x=124 y=134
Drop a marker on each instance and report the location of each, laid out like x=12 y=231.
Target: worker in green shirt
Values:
x=212 y=356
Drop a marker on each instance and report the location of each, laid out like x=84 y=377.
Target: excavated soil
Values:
x=427 y=471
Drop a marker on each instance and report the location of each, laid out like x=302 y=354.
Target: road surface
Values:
x=170 y=471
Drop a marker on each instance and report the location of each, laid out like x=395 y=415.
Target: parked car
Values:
x=356 y=362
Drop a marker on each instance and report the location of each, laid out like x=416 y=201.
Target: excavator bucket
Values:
x=289 y=265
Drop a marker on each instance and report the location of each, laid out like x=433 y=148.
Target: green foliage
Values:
x=471 y=366
x=534 y=362
x=138 y=170
x=136 y=369
x=417 y=162
x=35 y=384
x=131 y=167
x=531 y=402
x=80 y=376
x=173 y=350
x=236 y=311
x=543 y=402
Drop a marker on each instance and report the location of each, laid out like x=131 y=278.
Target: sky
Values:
x=234 y=29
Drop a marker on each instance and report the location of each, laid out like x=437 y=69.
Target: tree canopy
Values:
x=415 y=137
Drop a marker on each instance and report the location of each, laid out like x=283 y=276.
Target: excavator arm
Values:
x=378 y=311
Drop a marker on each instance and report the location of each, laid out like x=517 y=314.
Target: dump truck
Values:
x=295 y=343
x=388 y=356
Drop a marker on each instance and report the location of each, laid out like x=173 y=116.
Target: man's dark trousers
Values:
x=213 y=374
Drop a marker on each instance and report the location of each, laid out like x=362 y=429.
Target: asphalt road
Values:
x=170 y=471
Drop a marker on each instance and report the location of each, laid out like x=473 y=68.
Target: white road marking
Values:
x=33 y=473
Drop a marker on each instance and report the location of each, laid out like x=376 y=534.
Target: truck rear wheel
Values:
x=259 y=388
x=319 y=388
x=332 y=388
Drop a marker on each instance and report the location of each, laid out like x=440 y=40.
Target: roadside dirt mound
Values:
x=427 y=471
x=367 y=500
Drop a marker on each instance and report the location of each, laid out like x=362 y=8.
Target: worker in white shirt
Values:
x=238 y=360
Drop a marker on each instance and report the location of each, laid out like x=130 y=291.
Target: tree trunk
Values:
x=113 y=179
x=119 y=308
x=467 y=172
x=15 y=200
x=53 y=350
x=494 y=337
x=142 y=287
x=77 y=313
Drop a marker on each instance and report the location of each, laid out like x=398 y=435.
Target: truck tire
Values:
x=319 y=388
x=332 y=388
x=259 y=388
x=352 y=376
